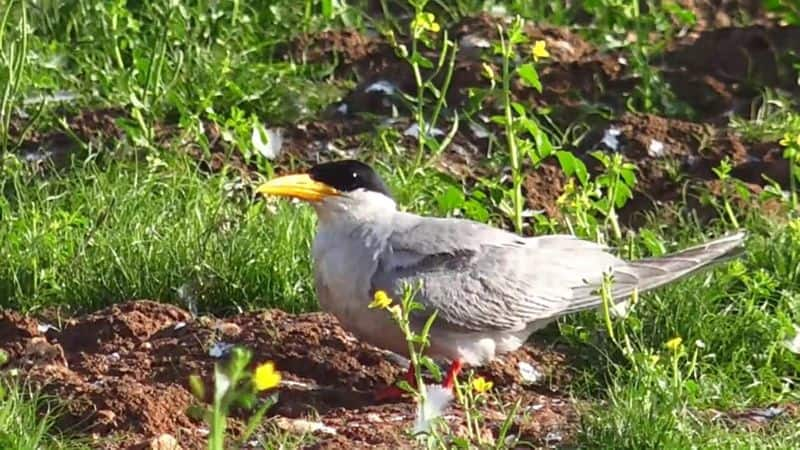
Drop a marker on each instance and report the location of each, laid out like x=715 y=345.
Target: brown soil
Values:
x=122 y=374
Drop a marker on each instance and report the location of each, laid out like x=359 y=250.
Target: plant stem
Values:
x=511 y=138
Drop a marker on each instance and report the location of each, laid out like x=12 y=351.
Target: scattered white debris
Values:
x=203 y=431
x=299 y=385
x=528 y=373
x=655 y=149
x=301 y=426
x=343 y=108
x=56 y=97
x=610 y=138
x=511 y=439
x=383 y=86
x=219 y=349
x=373 y=417
x=527 y=212
x=553 y=437
x=179 y=325
x=793 y=344
x=437 y=398
x=271 y=149
x=699 y=344
x=535 y=407
x=479 y=130
x=413 y=131
x=622 y=60
x=620 y=310
x=115 y=356
x=45 y=327
x=472 y=40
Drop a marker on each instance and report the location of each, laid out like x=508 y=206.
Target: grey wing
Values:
x=481 y=278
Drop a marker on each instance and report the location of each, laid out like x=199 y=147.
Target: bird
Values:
x=491 y=288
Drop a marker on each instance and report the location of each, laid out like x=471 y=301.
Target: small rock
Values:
x=229 y=329
x=106 y=417
x=219 y=349
x=39 y=351
x=655 y=149
x=165 y=442
x=528 y=373
x=301 y=426
x=45 y=327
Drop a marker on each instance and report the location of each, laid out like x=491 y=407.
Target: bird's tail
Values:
x=649 y=273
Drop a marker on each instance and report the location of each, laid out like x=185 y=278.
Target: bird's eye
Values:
x=355 y=175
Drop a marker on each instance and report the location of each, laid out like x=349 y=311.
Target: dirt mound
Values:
x=668 y=154
x=123 y=374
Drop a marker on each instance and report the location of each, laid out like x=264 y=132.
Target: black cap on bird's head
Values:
x=326 y=180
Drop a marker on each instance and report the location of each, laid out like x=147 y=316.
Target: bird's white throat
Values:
x=356 y=207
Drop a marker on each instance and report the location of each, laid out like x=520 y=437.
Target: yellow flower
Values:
x=539 y=50
x=674 y=344
x=266 y=377
x=381 y=300
x=425 y=22
x=788 y=140
x=481 y=385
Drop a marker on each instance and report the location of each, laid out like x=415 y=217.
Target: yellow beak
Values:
x=297 y=186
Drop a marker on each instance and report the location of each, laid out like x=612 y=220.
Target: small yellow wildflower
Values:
x=425 y=22
x=266 y=377
x=481 y=385
x=654 y=359
x=380 y=301
x=787 y=140
x=674 y=344
x=539 y=50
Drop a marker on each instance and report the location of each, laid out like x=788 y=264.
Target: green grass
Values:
x=732 y=325
x=101 y=235
x=26 y=421
x=113 y=227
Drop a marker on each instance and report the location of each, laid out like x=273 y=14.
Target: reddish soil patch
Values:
x=675 y=161
x=123 y=373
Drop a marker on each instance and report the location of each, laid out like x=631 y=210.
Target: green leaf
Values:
x=432 y=367
x=327 y=9
x=571 y=165
x=451 y=199
x=530 y=76
x=628 y=176
x=403 y=385
x=475 y=210
x=197 y=387
x=421 y=61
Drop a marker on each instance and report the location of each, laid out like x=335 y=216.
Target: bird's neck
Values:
x=356 y=209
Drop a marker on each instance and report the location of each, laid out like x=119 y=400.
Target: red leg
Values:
x=452 y=373
x=393 y=392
